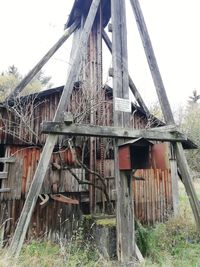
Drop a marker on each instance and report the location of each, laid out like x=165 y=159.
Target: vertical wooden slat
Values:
x=125 y=214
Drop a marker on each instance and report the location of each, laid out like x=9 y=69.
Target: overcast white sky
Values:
x=29 y=28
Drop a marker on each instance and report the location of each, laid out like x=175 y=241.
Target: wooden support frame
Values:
x=158 y=134
x=166 y=109
x=126 y=250
x=34 y=191
x=126 y=247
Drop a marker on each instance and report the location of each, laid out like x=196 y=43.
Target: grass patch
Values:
x=75 y=253
x=175 y=243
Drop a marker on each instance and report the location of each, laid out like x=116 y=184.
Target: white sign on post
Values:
x=122 y=104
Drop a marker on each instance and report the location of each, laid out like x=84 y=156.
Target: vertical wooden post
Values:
x=132 y=86
x=166 y=109
x=125 y=213
x=174 y=177
x=94 y=83
x=24 y=220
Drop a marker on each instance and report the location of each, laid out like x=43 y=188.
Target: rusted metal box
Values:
x=134 y=154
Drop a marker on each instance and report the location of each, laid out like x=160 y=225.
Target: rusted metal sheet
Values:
x=125 y=158
x=20 y=173
x=153 y=196
x=64 y=199
x=160 y=156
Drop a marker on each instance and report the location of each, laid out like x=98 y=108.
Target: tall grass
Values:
x=175 y=243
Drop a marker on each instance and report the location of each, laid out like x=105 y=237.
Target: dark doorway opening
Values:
x=2 y=154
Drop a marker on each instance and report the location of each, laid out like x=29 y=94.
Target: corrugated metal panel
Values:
x=20 y=174
x=55 y=221
x=160 y=156
x=153 y=196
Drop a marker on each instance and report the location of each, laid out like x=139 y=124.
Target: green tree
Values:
x=11 y=77
x=191 y=127
x=195 y=97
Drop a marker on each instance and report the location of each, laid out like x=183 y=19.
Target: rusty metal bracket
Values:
x=64 y=199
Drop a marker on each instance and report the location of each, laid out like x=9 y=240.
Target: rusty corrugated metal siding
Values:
x=20 y=173
x=153 y=196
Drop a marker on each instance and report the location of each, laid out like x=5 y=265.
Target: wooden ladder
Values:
x=3 y=174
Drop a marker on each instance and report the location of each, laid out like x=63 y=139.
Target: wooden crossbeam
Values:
x=5 y=190
x=166 y=109
x=3 y=175
x=7 y=160
x=34 y=191
x=158 y=134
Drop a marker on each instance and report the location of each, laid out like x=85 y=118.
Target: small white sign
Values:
x=122 y=104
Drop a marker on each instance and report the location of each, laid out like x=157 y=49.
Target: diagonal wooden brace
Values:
x=166 y=109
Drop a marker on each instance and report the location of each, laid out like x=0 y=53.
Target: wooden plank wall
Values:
x=54 y=221
x=24 y=128
x=27 y=156
x=21 y=172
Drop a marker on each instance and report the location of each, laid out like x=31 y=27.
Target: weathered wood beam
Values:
x=166 y=109
x=153 y=66
x=5 y=190
x=126 y=251
x=3 y=175
x=7 y=160
x=112 y=132
x=132 y=86
x=26 y=80
x=34 y=191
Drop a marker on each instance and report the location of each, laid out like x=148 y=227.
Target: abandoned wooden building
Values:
x=21 y=142
x=84 y=147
